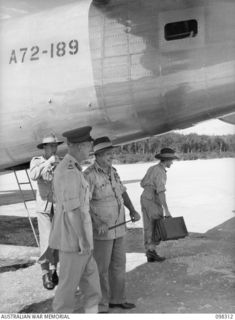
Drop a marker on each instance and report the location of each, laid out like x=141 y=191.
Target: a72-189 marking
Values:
x=34 y=53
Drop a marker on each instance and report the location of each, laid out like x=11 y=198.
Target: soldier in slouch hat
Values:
x=42 y=170
x=153 y=200
x=108 y=198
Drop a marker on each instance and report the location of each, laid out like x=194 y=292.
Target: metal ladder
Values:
x=27 y=182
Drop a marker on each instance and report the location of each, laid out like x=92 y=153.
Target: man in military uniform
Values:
x=153 y=201
x=108 y=197
x=71 y=231
x=41 y=170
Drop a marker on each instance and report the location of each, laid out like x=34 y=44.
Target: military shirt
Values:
x=154 y=182
x=41 y=171
x=106 y=201
x=71 y=191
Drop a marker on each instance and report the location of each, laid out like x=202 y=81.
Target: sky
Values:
x=210 y=127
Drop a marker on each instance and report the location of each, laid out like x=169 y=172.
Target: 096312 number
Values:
x=35 y=53
x=224 y=316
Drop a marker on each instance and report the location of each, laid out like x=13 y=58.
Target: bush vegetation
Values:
x=188 y=147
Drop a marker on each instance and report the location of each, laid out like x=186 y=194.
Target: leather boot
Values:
x=47 y=282
x=152 y=256
x=54 y=277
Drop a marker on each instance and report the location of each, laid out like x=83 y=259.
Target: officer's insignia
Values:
x=70 y=165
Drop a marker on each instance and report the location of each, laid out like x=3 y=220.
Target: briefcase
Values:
x=171 y=228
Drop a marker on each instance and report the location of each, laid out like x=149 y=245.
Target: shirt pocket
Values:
x=102 y=190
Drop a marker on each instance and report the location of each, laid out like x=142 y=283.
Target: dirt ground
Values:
x=198 y=275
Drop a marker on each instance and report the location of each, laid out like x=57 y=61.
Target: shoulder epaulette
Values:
x=38 y=158
x=89 y=169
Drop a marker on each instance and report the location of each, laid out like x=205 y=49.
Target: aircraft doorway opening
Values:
x=180 y=30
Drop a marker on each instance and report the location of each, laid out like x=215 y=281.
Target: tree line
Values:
x=189 y=147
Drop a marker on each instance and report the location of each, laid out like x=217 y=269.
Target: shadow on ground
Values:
x=198 y=275
x=40 y=307
x=17 y=231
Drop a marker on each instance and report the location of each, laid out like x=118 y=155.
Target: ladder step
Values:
x=24 y=182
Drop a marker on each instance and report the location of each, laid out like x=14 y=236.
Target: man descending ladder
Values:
x=42 y=170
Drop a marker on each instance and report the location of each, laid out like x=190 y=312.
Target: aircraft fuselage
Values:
x=128 y=68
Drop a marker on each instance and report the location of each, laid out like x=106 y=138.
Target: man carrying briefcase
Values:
x=153 y=201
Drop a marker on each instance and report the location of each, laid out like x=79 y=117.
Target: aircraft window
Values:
x=181 y=29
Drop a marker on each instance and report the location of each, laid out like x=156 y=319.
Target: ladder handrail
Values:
x=24 y=201
x=30 y=184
